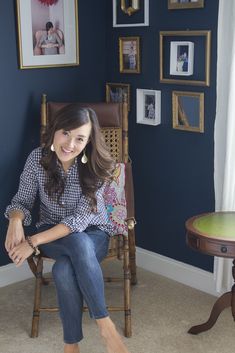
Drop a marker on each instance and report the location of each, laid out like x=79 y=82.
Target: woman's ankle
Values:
x=105 y=325
x=71 y=348
x=111 y=336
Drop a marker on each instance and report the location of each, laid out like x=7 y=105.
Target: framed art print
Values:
x=148 y=106
x=118 y=93
x=47 y=33
x=129 y=55
x=185 y=4
x=185 y=57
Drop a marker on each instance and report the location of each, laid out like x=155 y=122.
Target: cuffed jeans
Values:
x=78 y=275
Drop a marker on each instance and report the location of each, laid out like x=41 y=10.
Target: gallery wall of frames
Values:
x=162 y=57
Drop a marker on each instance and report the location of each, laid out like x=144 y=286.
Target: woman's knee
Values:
x=62 y=271
x=81 y=245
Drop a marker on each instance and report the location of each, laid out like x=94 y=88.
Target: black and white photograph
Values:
x=181 y=58
x=148 y=106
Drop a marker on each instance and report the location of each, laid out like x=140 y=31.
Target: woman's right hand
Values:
x=15 y=233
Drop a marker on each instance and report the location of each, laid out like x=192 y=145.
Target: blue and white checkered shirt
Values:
x=75 y=210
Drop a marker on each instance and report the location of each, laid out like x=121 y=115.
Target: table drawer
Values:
x=211 y=247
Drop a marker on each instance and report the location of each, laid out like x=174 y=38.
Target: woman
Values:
x=50 y=41
x=69 y=173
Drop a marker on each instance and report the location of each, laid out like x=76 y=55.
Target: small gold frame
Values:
x=188 y=115
x=207 y=49
x=174 y=5
x=130 y=10
x=129 y=55
x=124 y=90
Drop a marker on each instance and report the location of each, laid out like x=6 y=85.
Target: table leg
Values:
x=223 y=302
x=233 y=291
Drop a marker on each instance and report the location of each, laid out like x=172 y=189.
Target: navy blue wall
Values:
x=173 y=170
x=21 y=91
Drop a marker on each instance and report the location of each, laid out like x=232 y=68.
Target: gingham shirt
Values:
x=75 y=211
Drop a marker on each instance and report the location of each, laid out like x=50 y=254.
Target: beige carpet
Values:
x=162 y=310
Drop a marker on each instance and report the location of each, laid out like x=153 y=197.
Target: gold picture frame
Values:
x=188 y=111
x=202 y=56
x=118 y=93
x=50 y=38
x=179 y=5
x=129 y=55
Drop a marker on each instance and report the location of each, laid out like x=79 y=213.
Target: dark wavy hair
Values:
x=100 y=165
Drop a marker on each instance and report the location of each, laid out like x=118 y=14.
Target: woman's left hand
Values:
x=20 y=253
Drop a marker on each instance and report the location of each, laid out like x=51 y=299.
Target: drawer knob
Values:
x=223 y=249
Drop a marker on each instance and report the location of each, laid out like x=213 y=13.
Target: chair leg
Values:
x=37 y=299
x=131 y=238
x=126 y=270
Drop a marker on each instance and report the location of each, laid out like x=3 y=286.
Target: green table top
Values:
x=219 y=225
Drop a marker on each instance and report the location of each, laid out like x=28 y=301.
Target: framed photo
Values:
x=130 y=13
x=193 y=47
x=129 y=55
x=185 y=4
x=188 y=111
x=118 y=92
x=47 y=33
x=181 y=58
x=148 y=106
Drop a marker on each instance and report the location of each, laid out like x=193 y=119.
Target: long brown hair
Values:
x=100 y=165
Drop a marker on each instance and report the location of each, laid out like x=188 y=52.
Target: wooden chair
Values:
x=113 y=119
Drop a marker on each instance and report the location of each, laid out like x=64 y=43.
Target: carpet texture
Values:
x=162 y=312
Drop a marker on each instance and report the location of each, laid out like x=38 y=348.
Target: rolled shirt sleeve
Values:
x=83 y=215
x=26 y=194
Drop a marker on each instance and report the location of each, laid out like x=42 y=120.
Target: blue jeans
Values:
x=77 y=275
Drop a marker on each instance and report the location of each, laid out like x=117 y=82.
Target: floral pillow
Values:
x=115 y=200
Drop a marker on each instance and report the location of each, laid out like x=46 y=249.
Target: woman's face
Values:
x=69 y=144
x=50 y=30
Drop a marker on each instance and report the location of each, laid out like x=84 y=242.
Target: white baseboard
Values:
x=10 y=274
x=177 y=271
x=153 y=262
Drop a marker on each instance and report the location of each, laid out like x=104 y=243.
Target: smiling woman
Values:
x=74 y=227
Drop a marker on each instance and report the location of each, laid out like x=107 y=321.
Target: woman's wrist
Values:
x=16 y=216
x=35 y=241
x=35 y=249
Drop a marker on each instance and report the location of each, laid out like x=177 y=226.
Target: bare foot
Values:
x=71 y=348
x=111 y=337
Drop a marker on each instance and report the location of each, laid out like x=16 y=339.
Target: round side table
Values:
x=214 y=234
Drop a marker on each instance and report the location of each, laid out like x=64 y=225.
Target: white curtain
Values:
x=224 y=173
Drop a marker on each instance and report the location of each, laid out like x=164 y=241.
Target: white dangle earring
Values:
x=84 y=158
x=52 y=148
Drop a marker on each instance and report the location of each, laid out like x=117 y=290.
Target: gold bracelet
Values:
x=35 y=248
